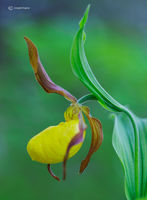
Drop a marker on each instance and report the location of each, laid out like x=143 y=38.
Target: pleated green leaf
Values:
x=124 y=145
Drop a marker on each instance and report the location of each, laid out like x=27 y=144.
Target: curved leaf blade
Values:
x=83 y=71
x=124 y=144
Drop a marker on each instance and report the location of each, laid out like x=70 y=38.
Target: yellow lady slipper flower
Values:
x=59 y=143
x=50 y=145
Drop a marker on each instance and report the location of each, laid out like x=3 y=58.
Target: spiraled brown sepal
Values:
x=41 y=75
x=78 y=138
x=97 y=137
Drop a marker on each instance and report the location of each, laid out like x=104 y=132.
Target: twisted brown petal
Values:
x=78 y=138
x=97 y=137
x=51 y=173
x=41 y=75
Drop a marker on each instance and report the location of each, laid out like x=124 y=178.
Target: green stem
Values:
x=105 y=103
x=86 y=98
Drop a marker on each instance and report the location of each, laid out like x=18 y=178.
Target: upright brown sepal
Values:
x=41 y=75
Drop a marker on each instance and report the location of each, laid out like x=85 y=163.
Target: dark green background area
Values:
x=116 y=48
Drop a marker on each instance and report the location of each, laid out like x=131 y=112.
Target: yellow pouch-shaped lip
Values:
x=51 y=144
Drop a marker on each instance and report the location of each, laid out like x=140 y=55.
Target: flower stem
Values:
x=86 y=98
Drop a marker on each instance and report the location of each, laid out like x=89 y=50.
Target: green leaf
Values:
x=124 y=145
x=83 y=71
x=130 y=132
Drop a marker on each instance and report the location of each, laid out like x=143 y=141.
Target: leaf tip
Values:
x=85 y=17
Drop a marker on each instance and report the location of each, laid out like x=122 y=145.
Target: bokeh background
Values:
x=116 y=48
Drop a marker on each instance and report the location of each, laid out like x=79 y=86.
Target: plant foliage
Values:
x=130 y=131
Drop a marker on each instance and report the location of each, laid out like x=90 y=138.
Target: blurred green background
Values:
x=116 y=48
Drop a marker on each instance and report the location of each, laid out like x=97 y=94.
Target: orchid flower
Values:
x=58 y=143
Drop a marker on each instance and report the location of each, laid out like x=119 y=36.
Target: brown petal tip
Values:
x=84 y=164
x=33 y=54
x=51 y=173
